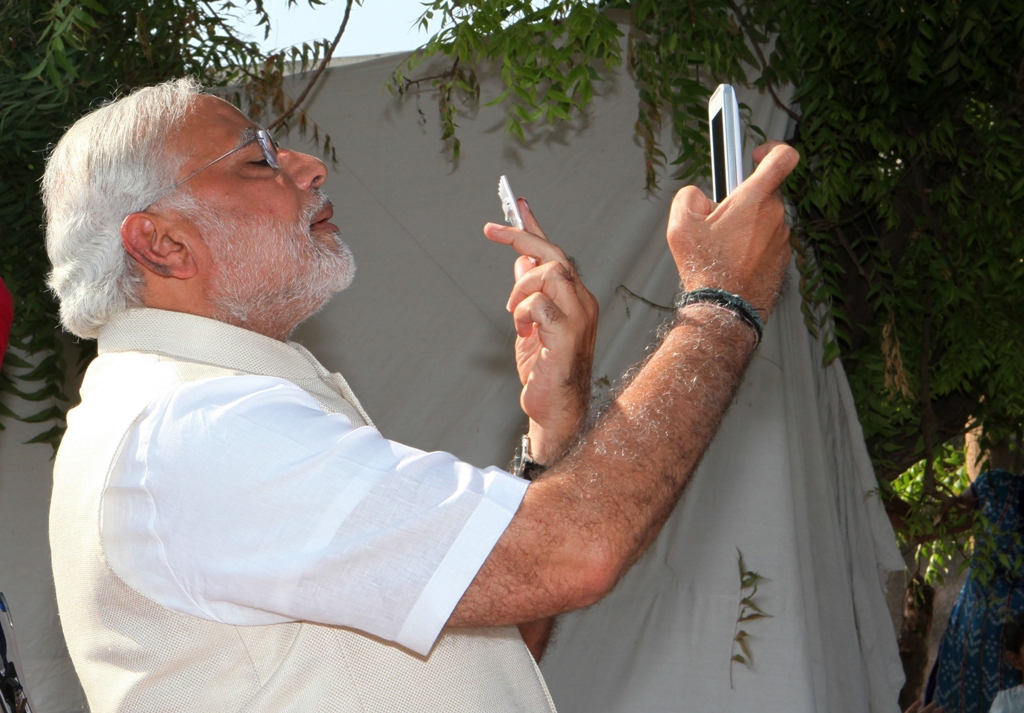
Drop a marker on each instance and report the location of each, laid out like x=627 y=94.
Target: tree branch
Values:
x=1020 y=84
x=950 y=504
x=316 y=75
x=928 y=425
x=951 y=413
x=748 y=30
x=655 y=305
x=447 y=74
x=851 y=254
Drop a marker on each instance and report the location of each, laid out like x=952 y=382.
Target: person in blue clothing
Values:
x=970 y=668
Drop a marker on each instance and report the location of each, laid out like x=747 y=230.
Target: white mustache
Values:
x=320 y=201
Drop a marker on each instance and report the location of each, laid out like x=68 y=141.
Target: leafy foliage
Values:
x=749 y=610
x=936 y=527
x=699 y=41
x=910 y=196
x=58 y=59
x=545 y=51
x=940 y=528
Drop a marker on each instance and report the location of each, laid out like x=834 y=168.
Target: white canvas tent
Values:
x=423 y=337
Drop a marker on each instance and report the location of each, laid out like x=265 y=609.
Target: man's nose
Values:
x=307 y=171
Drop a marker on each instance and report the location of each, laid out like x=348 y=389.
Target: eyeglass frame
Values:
x=249 y=136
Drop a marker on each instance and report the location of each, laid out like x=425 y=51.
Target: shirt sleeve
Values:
x=999 y=705
x=238 y=500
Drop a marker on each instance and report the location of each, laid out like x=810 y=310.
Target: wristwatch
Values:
x=523 y=464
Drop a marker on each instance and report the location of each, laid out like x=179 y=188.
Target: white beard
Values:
x=271 y=277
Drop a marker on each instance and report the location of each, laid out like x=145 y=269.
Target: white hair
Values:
x=111 y=163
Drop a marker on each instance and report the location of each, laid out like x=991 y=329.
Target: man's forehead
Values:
x=214 y=109
x=214 y=125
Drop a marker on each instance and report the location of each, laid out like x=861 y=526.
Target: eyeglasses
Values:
x=260 y=136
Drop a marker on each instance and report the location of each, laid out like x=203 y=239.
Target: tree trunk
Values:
x=918 y=603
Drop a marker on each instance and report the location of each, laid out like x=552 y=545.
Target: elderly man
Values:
x=229 y=532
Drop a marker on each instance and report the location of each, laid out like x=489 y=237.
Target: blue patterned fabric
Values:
x=970 y=668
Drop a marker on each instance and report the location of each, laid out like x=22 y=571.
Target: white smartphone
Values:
x=508 y=204
x=726 y=141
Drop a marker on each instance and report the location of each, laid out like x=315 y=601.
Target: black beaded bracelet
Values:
x=727 y=300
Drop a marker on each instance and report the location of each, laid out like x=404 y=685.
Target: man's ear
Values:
x=1014 y=660
x=164 y=252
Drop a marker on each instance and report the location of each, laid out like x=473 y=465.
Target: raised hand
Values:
x=555 y=318
x=742 y=244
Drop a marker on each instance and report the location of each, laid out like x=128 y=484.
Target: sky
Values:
x=376 y=27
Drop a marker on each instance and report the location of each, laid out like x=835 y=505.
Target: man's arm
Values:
x=594 y=512
x=556 y=328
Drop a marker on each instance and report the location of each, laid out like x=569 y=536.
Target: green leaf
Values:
x=38 y=70
x=741 y=639
x=749 y=604
x=750 y=579
x=50 y=414
x=52 y=436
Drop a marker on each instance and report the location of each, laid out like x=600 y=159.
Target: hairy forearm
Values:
x=655 y=434
x=593 y=513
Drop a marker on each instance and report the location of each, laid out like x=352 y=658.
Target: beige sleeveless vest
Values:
x=133 y=654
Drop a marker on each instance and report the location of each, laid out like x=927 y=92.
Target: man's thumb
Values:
x=772 y=170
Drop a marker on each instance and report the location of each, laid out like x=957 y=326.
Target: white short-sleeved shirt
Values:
x=1009 y=700
x=236 y=499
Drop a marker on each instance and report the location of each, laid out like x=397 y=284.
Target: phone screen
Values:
x=718 y=157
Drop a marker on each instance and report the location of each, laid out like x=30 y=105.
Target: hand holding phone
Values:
x=726 y=141
x=508 y=204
